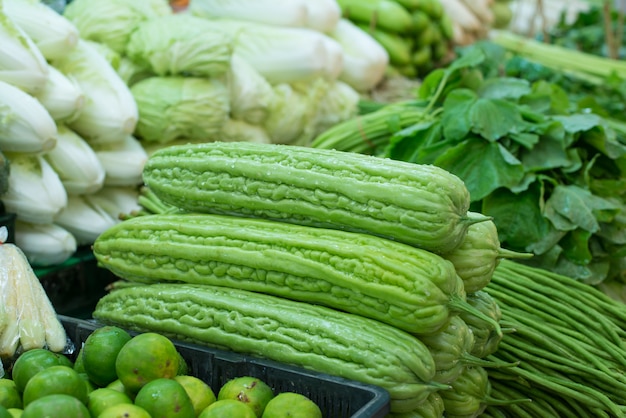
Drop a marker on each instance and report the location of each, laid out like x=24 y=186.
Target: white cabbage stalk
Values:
x=44 y=244
x=112 y=57
x=110 y=113
x=334 y=58
x=25 y=125
x=84 y=220
x=181 y=44
x=116 y=200
x=36 y=193
x=112 y=21
x=76 y=163
x=322 y=15
x=174 y=107
x=61 y=96
x=273 y=12
x=250 y=93
x=294 y=110
x=280 y=54
x=123 y=162
x=21 y=62
x=53 y=34
x=365 y=60
x=240 y=131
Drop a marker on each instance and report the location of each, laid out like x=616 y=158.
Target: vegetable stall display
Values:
x=311 y=245
x=240 y=257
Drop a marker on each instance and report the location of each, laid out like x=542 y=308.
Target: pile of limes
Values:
x=116 y=375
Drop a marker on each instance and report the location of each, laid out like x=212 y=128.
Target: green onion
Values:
x=559 y=57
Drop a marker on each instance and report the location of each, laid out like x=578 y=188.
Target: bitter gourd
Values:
x=410 y=288
x=478 y=255
x=486 y=338
x=297 y=333
x=449 y=347
x=421 y=205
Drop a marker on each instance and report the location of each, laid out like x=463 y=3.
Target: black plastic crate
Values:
x=337 y=397
x=75 y=286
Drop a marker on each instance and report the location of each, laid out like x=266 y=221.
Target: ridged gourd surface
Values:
x=422 y=205
x=396 y=283
x=296 y=333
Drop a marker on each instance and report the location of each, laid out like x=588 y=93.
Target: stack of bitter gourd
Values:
x=353 y=265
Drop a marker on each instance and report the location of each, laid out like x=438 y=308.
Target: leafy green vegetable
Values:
x=546 y=169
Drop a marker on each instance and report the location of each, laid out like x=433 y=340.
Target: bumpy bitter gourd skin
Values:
x=363 y=274
x=468 y=394
x=421 y=205
x=432 y=407
x=486 y=339
x=448 y=347
x=311 y=336
x=478 y=255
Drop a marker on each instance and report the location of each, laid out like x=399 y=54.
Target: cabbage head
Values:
x=112 y=21
x=181 y=45
x=170 y=108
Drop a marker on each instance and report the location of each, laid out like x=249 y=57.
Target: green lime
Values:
x=56 y=405
x=4 y=412
x=144 y=358
x=250 y=390
x=124 y=411
x=30 y=363
x=165 y=398
x=78 y=363
x=64 y=360
x=55 y=380
x=100 y=353
x=10 y=397
x=227 y=408
x=88 y=383
x=119 y=386
x=291 y=405
x=199 y=392
x=15 y=412
x=4 y=382
x=103 y=398
x=183 y=367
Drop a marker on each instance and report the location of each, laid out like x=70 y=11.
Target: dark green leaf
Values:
x=456 y=114
x=575 y=246
x=430 y=83
x=579 y=122
x=571 y=207
x=504 y=88
x=483 y=166
x=404 y=143
x=527 y=140
x=493 y=119
x=604 y=140
x=517 y=216
x=470 y=57
x=545 y=155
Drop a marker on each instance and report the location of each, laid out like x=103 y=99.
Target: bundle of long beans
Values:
x=569 y=339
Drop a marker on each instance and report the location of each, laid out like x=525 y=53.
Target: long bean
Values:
x=577 y=301
x=570 y=314
x=521 y=316
x=564 y=284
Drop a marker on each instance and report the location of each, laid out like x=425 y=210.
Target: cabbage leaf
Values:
x=179 y=107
